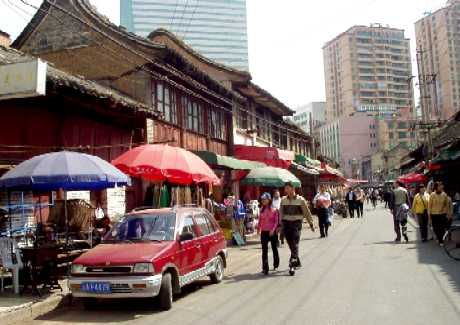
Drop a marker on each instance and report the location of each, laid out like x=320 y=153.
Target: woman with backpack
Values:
x=269 y=221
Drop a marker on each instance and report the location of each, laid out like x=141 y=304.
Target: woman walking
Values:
x=268 y=224
x=420 y=208
x=322 y=201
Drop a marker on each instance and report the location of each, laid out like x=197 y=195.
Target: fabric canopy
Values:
x=268 y=155
x=64 y=170
x=446 y=155
x=157 y=162
x=311 y=163
x=413 y=178
x=270 y=177
x=214 y=159
x=304 y=170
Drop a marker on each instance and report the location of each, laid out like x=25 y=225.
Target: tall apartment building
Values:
x=368 y=69
x=438 y=37
x=310 y=115
x=217 y=29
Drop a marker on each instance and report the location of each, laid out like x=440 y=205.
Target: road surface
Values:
x=356 y=276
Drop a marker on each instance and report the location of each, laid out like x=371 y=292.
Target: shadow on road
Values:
x=430 y=253
x=114 y=310
x=255 y=276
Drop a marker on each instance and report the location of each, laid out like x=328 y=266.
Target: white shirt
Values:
x=322 y=196
x=350 y=196
x=276 y=203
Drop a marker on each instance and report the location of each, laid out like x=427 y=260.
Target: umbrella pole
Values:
x=13 y=255
x=40 y=214
x=66 y=221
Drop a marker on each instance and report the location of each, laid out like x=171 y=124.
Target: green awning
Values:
x=214 y=159
x=305 y=161
x=270 y=177
x=446 y=155
x=303 y=170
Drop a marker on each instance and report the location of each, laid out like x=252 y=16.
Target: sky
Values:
x=285 y=37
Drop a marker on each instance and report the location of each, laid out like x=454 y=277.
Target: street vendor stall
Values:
x=309 y=178
x=57 y=171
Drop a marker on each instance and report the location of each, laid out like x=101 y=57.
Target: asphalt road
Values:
x=356 y=276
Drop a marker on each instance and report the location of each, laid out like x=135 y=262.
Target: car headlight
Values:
x=143 y=268
x=78 y=268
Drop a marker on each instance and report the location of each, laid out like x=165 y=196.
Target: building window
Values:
x=164 y=99
x=217 y=125
x=402 y=135
x=193 y=115
x=242 y=121
x=402 y=125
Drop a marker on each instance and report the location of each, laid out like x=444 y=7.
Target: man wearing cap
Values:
x=292 y=211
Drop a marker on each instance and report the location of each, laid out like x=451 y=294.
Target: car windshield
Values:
x=143 y=227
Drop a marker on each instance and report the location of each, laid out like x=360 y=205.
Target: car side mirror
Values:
x=185 y=236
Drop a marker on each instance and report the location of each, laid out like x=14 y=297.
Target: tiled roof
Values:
x=63 y=79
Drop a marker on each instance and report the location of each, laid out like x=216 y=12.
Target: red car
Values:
x=151 y=253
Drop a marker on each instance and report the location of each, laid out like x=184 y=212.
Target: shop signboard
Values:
x=116 y=202
x=24 y=79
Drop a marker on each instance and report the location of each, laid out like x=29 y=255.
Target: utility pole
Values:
x=424 y=81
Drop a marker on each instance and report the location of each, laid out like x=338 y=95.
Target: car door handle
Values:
x=198 y=245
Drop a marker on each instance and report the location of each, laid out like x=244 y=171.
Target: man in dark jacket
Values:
x=351 y=200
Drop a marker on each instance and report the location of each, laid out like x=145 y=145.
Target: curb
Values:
x=32 y=310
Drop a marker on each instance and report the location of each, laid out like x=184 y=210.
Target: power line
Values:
x=191 y=19
x=156 y=74
x=9 y=5
x=182 y=17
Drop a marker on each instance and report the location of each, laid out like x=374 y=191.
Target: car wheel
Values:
x=89 y=303
x=218 y=274
x=166 y=293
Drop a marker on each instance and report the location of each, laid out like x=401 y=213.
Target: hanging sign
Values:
x=24 y=79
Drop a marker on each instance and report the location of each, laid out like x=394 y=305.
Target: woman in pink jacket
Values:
x=268 y=223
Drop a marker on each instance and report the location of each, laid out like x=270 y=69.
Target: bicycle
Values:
x=452 y=240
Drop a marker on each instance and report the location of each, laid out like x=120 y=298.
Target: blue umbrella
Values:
x=70 y=171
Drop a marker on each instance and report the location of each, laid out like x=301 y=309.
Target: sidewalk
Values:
x=15 y=308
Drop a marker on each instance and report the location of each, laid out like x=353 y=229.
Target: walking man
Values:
x=351 y=202
x=438 y=209
x=293 y=210
x=360 y=197
x=401 y=198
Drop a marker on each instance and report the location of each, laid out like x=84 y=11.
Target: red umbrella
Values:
x=162 y=162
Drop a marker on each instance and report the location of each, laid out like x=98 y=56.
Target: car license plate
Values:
x=96 y=287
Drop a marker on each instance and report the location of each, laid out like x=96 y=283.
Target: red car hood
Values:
x=122 y=254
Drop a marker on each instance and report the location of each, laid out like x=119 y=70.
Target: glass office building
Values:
x=215 y=28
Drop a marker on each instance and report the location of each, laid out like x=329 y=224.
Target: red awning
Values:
x=413 y=178
x=268 y=155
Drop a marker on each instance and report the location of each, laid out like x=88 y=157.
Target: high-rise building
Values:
x=368 y=69
x=438 y=38
x=217 y=29
x=313 y=111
